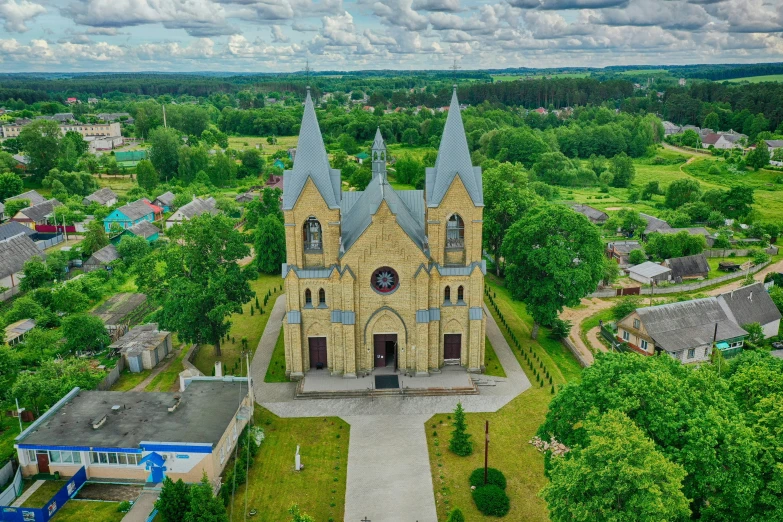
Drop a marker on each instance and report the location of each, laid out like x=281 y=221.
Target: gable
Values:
x=385 y=233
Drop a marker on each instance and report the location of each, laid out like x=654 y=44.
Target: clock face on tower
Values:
x=385 y=280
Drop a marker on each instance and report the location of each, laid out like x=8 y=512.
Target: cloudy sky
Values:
x=280 y=35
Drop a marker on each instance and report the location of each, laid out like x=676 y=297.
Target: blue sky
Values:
x=280 y=35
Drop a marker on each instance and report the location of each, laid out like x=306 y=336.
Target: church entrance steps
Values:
x=302 y=393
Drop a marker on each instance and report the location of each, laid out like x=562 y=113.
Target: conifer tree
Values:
x=460 y=442
x=173 y=502
x=204 y=506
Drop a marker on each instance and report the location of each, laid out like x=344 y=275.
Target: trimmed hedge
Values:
x=491 y=500
x=495 y=477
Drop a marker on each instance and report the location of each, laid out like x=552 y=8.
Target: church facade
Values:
x=382 y=278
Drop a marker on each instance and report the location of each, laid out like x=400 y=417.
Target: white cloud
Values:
x=278 y=36
x=16 y=15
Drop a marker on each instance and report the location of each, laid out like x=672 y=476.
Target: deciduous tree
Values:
x=41 y=141
x=146 y=175
x=270 y=245
x=95 y=238
x=84 y=332
x=10 y=185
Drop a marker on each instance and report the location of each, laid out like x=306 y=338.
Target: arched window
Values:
x=312 y=236
x=460 y=294
x=455 y=232
x=321 y=297
x=308 y=298
x=447 y=294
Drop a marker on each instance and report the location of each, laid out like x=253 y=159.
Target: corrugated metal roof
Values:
x=102 y=196
x=750 y=304
x=649 y=269
x=312 y=162
x=135 y=210
x=41 y=211
x=453 y=160
x=32 y=196
x=14 y=252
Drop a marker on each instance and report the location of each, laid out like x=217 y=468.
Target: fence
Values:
x=113 y=376
x=675 y=289
x=46 y=243
x=738 y=252
x=568 y=344
x=54 y=229
x=8 y=294
x=44 y=514
x=14 y=489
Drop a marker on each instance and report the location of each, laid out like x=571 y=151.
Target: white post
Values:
x=297 y=460
x=218 y=369
x=20 y=410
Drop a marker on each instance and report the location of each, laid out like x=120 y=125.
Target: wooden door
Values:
x=380 y=351
x=43 y=462
x=317 y=352
x=452 y=346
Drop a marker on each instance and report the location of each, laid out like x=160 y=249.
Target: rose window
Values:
x=385 y=280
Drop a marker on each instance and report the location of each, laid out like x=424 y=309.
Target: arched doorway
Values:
x=385 y=340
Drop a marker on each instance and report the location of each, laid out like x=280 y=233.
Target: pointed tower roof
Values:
x=453 y=160
x=312 y=162
x=378 y=143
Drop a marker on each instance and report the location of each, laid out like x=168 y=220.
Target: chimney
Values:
x=98 y=423
x=750 y=296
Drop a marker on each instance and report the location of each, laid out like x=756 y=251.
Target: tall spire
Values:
x=310 y=161
x=453 y=160
x=378 y=155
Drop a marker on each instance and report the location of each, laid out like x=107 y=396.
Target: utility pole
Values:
x=455 y=68
x=164 y=117
x=486 y=451
x=19 y=415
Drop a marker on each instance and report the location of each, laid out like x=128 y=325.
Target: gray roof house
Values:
x=654 y=224
x=752 y=304
x=101 y=258
x=165 y=200
x=144 y=229
x=621 y=250
x=38 y=214
x=685 y=330
x=12 y=228
x=14 y=251
x=593 y=214
x=649 y=272
x=32 y=196
x=688 y=267
x=104 y=196
x=195 y=208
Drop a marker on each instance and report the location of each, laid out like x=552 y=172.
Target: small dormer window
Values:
x=313 y=242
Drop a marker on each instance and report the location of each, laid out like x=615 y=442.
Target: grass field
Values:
x=758 y=79
x=276 y=370
x=510 y=430
x=119 y=184
x=88 y=511
x=243 y=325
x=491 y=361
x=273 y=485
x=250 y=142
x=44 y=494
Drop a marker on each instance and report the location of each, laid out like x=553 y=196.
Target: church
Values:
x=383 y=280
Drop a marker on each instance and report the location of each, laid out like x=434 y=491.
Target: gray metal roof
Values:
x=694 y=231
x=198 y=207
x=649 y=269
x=688 y=266
x=34 y=197
x=102 y=196
x=654 y=224
x=135 y=210
x=139 y=338
x=750 y=304
x=453 y=160
x=144 y=229
x=40 y=212
x=167 y=198
x=14 y=252
x=378 y=141
x=104 y=256
x=688 y=324
x=206 y=410
x=590 y=212
x=13 y=228
x=311 y=162
x=358 y=216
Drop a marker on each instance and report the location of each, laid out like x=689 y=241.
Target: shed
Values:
x=688 y=267
x=104 y=197
x=143 y=347
x=16 y=332
x=245 y=197
x=101 y=258
x=649 y=272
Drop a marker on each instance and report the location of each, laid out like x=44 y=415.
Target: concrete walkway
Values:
x=27 y=494
x=142 y=508
x=392 y=481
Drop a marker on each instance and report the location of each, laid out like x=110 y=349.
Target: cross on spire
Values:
x=307 y=70
x=455 y=68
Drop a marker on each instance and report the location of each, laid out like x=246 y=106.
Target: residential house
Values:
x=115 y=116
x=124 y=436
x=101 y=258
x=245 y=197
x=710 y=140
x=14 y=252
x=36 y=215
x=274 y=181
x=688 y=267
x=22 y=161
x=104 y=197
x=773 y=145
x=156 y=210
x=729 y=141
x=32 y=196
x=595 y=216
x=648 y=273
x=752 y=304
x=654 y=224
x=165 y=201
x=144 y=229
x=16 y=332
x=620 y=250
x=128 y=215
x=143 y=347
x=71 y=101
x=685 y=330
x=195 y=208
x=670 y=128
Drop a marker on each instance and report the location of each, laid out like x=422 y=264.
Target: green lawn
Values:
x=9 y=430
x=88 y=511
x=250 y=142
x=491 y=362
x=166 y=379
x=758 y=79
x=120 y=184
x=273 y=485
x=243 y=325
x=510 y=429
x=650 y=72
x=276 y=370
x=44 y=493
x=128 y=380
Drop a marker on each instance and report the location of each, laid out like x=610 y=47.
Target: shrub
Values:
x=491 y=500
x=455 y=515
x=495 y=477
x=124 y=506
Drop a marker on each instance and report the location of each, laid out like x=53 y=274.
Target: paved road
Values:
x=389 y=477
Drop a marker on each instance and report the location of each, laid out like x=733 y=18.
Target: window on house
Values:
x=636 y=323
x=691 y=353
x=308 y=298
x=312 y=235
x=322 y=297
x=626 y=336
x=643 y=344
x=447 y=294
x=460 y=294
x=31 y=455
x=455 y=232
